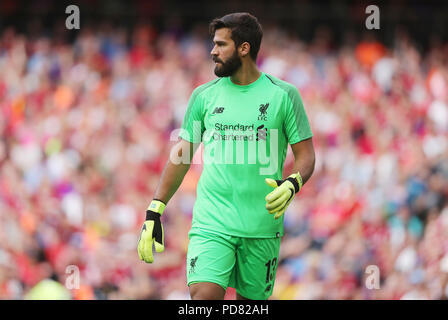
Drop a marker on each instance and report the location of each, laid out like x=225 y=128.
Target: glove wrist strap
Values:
x=296 y=180
x=151 y=215
x=156 y=206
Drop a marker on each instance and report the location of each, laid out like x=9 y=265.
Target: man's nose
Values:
x=214 y=52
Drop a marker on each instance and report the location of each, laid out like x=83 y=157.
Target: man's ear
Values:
x=244 y=49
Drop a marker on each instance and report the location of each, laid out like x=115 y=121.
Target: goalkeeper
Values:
x=241 y=197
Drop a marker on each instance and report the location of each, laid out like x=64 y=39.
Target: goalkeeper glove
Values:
x=278 y=200
x=152 y=231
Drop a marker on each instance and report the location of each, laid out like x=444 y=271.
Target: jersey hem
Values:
x=264 y=236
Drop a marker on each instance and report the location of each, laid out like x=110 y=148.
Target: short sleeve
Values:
x=193 y=125
x=297 y=126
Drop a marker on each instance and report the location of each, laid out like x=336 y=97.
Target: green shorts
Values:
x=247 y=264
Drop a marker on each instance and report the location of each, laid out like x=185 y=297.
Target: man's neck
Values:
x=246 y=74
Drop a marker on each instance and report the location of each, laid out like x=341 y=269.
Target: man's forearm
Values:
x=304 y=158
x=172 y=177
x=175 y=170
x=305 y=166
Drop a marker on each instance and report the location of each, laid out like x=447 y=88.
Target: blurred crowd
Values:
x=87 y=126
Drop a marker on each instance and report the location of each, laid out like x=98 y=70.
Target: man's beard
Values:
x=229 y=67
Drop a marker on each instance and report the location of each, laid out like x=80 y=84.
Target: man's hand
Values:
x=152 y=231
x=278 y=200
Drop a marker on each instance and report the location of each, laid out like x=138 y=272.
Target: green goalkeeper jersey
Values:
x=245 y=130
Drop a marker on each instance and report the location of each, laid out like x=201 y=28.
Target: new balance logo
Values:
x=218 y=110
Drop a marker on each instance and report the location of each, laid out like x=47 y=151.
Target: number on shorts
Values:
x=270 y=265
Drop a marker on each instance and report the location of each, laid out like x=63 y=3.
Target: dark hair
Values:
x=244 y=27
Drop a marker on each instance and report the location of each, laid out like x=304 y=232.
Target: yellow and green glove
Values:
x=279 y=199
x=152 y=231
